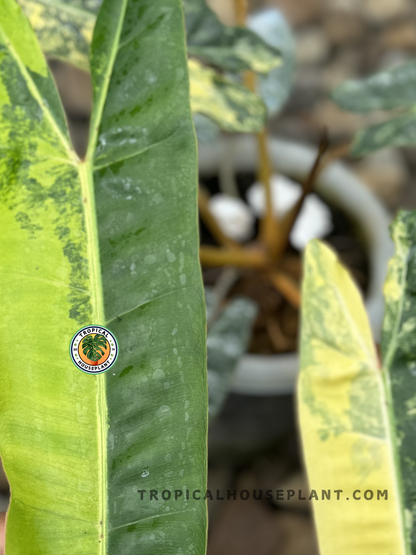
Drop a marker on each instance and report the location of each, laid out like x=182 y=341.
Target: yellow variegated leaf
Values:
x=346 y=429
x=64 y=31
x=233 y=107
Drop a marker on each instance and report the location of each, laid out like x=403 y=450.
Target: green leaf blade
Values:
x=83 y=445
x=399 y=360
x=44 y=266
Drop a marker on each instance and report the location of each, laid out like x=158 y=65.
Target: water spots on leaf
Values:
x=164 y=412
x=158 y=374
x=145 y=472
x=126 y=371
x=150 y=259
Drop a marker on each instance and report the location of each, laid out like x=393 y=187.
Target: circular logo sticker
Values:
x=93 y=349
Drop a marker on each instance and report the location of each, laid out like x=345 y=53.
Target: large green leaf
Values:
x=110 y=241
x=348 y=428
x=64 y=30
x=399 y=355
x=395 y=88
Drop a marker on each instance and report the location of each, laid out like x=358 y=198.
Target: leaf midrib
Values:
x=86 y=170
x=388 y=360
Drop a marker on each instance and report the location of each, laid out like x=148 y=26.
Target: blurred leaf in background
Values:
x=64 y=30
x=228 y=340
x=230 y=105
x=233 y=49
x=394 y=89
x=276 y=85
x=358 y=419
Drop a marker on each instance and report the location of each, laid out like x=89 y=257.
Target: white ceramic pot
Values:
x=277 y=374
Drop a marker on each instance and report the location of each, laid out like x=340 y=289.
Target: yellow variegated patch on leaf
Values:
x=345 y=417
x=64 y=31
x=233 y=107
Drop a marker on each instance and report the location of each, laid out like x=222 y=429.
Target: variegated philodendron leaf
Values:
x=110 y=241
x=400 y=131
x=394 y=88
x=64 y=30
x=399 y=357
x=391 y=89
x=348 y=431
x=231 y=106
x=231 y=48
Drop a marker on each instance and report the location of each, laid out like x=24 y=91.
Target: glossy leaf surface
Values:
x=348 y=433
x=110 y=241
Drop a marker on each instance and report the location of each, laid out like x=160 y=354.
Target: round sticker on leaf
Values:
x=93 y=349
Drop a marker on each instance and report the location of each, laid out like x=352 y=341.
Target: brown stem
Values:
x=241 y=10
x=289 y=219
x=279 y=340
x=269 y=223
x=242 y=258
x=211 y=222
x=287 y=287
x=333 y=154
